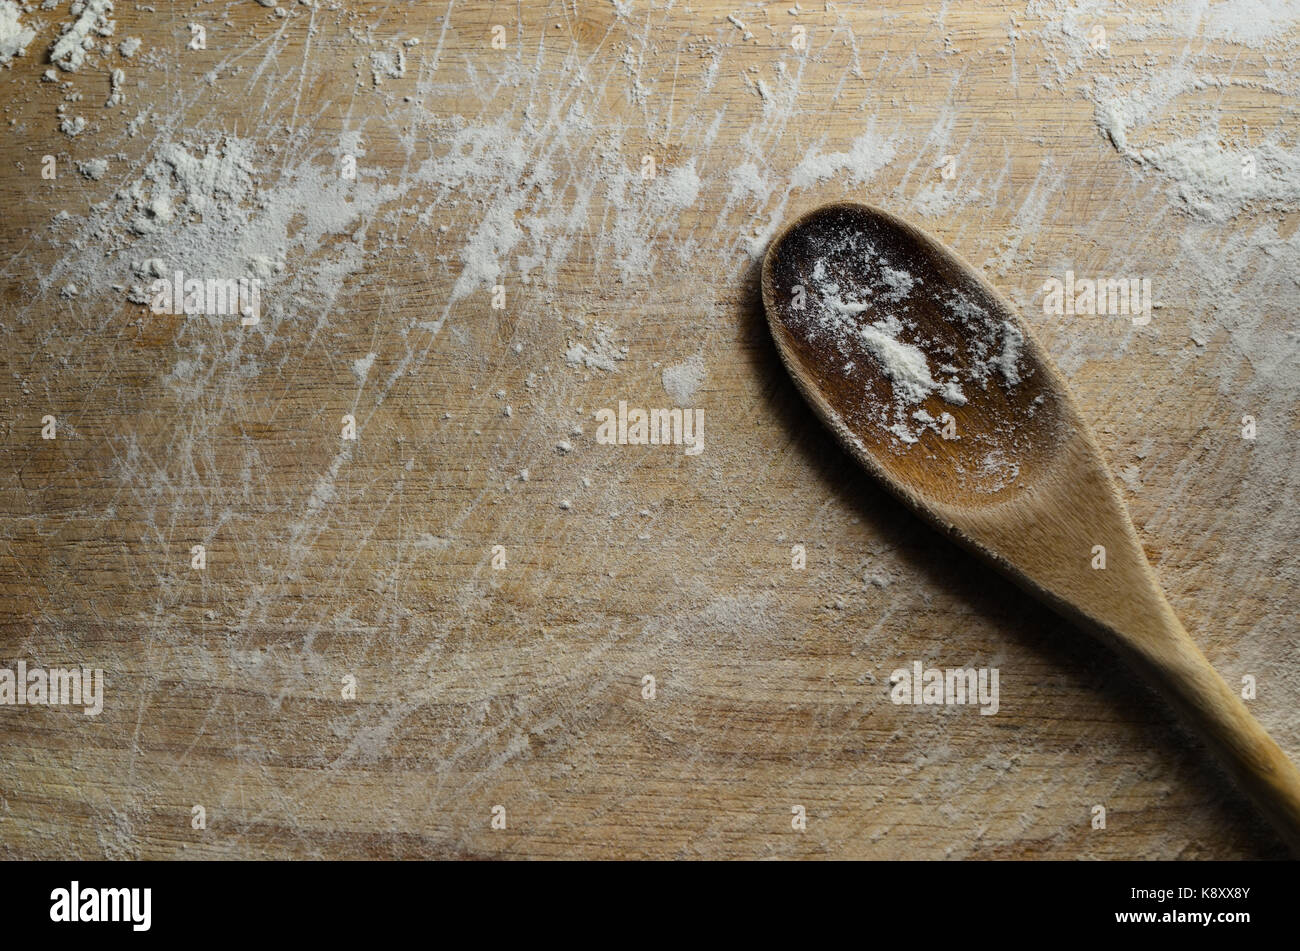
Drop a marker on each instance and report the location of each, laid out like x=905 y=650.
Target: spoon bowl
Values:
x=836 y=283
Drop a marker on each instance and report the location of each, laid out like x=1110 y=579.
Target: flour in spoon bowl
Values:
x=861 y=305
x=917 y=357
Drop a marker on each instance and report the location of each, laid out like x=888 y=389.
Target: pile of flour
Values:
x=14 y=36
x=79 y=37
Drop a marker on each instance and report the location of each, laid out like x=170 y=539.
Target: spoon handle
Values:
x=1127 y=603
x=1177 y=666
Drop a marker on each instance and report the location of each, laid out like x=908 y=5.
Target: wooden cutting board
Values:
x=358 y=670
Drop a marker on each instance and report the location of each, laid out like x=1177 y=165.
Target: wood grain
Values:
x=522 y=687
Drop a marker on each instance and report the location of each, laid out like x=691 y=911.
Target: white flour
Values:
x=14 y=37
x=1215 y=180
x=603 y=353
x=862 y=304
x=1169 y=115
x=905 y=365
x=79 y=37
x=683 y=381
x=866 y=156
x=361 y=366
x=93 y=169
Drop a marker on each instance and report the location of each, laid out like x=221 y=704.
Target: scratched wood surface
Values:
x=522 y=687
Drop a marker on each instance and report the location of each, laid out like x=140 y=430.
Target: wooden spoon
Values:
x=982 y=439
